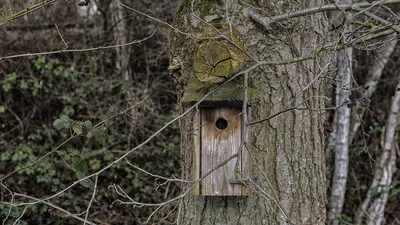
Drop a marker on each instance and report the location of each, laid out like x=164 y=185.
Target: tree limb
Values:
x=25 y=11
x=266 y=21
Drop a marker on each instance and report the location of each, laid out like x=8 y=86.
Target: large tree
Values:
x=287 y=185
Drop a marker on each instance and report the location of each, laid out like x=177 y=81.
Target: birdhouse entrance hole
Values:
x=221 y=123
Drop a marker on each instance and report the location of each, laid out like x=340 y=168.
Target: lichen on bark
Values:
x=216 y=58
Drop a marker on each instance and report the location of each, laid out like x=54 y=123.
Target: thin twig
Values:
x=225 y=37
x=39 y=159
x=157 y=176
x=26 y=11
x=48 y=204
x=22 y=214
x=70 y=138
x=153 y=18
x=12 y=200
x=269 y=197
x=76 y=50
x=267 y=21
x=287 y=110
x=379 y=19
x=133 y=202
x=59 y=33
x=91 y=199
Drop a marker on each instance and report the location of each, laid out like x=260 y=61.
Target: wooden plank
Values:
x=246 y=168
x=217 y=145
x=196 y=150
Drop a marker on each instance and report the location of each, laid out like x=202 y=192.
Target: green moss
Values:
x=206 y=6
x=216 y=59
x=183 y=7
x=212 y=62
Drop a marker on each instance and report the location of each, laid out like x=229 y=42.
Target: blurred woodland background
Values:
x=94 y=85
x=90 y=85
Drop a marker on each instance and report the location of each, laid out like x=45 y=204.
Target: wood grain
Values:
x=213 y=146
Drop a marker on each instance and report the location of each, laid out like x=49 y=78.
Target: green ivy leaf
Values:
x=39 y=62
x=24 y=84
x=77 y=127
x=86 y=183
x=87 y=126
x=38 y=84
x=79 y=165
x=49 y=65
x=11 y=76
x=62 y=122
x=7 y=87
x=99 y=135
x=58 y=70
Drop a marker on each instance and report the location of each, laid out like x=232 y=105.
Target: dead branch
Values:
x=63 y=50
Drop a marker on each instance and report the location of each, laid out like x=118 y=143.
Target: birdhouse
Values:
x=217 y=138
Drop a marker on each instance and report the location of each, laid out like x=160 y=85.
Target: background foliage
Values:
x=86 y=86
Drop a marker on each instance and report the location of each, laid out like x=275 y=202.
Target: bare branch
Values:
x=70 y=138
x=267 y=21
x=59 y=33
x=291 y=109
x=39 y=159
x=26 y=11
x=372 y=79
x=11 y=201
x=157 y=176
x=63 y=50
x=155 y=19
x=22 y=214
x=91 y=199
x=48 y=204
x=133 y=202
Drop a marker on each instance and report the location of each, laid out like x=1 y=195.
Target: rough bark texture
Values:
x=289 y=148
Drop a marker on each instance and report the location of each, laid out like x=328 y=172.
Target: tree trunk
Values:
x=341 y=149
x=289 y=167
x=123 y=33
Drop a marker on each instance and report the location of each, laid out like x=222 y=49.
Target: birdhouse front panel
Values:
x=218 y=139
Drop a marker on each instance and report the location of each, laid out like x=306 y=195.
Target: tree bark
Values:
x=289 y=161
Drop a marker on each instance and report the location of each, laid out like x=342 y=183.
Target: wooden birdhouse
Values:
x=217 y=138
